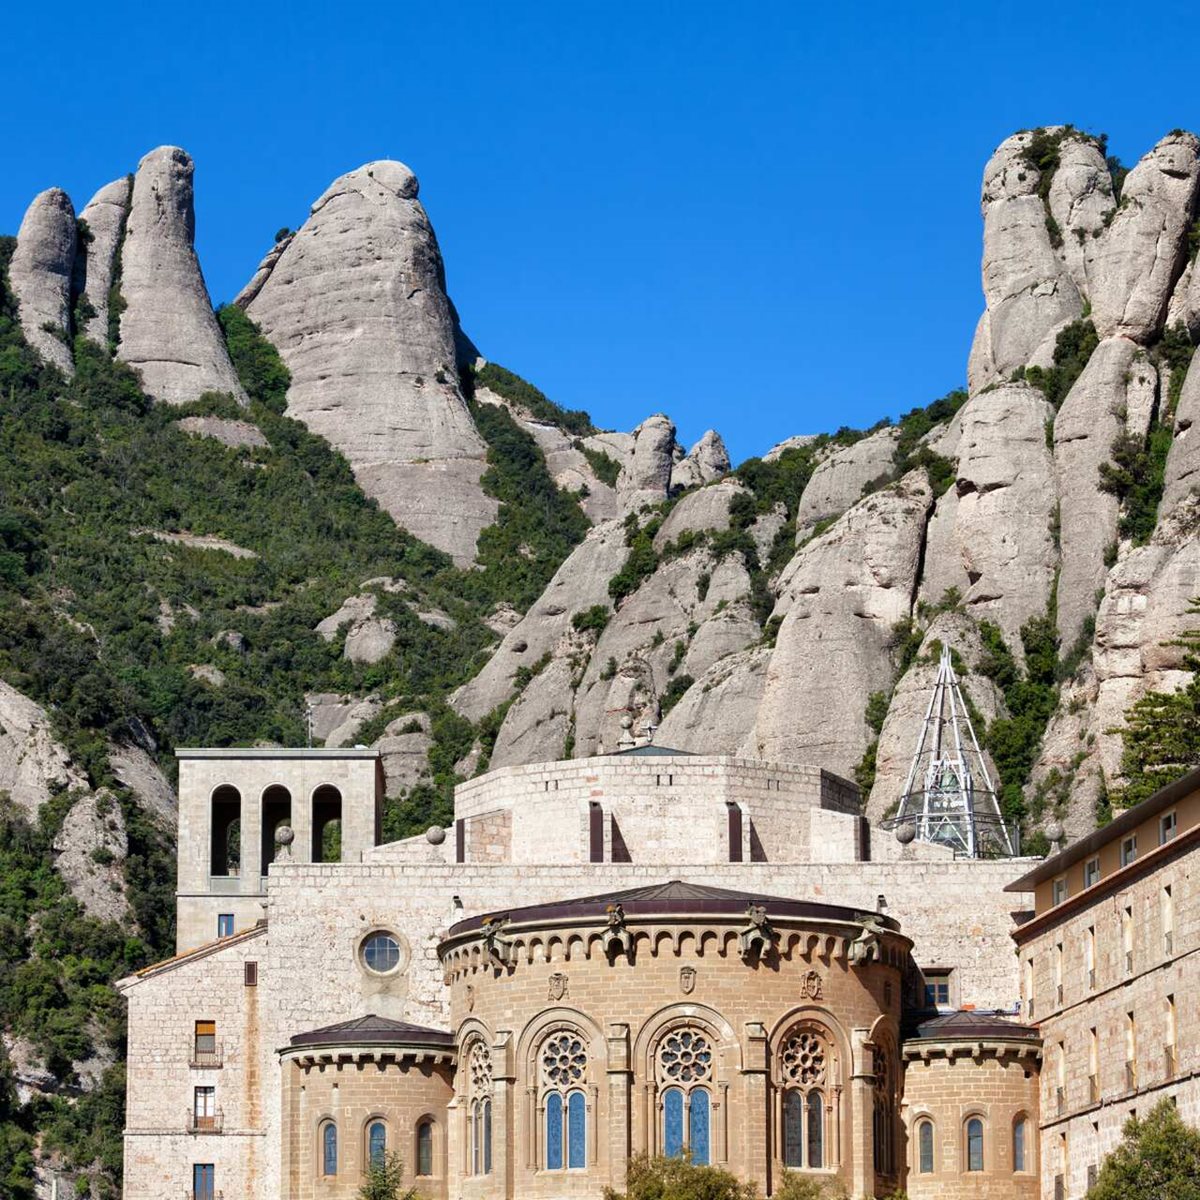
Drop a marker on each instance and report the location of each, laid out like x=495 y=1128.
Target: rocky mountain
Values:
x=322 y=510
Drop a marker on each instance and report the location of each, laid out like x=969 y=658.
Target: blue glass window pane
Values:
x=329 y=1150
x=576 y=1130
x=381 y=952
x=974 y=1144
x=476 y=1136
x=202 y=1181
x=793 y=1129
x=425 y=1148
x=487 y=1137
x=376 y=1143
x=672 y=1122
x=1019 y=1145
x=816 y=1130
x=698 y=1127
x=554 y=1132
x=925 y=1142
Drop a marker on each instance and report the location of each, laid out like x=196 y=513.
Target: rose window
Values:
x=564 y=1060
x=481 y=1068
x=804 y=1060
x=685 y=1057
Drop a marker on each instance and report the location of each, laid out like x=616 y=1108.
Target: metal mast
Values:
x=948 y=797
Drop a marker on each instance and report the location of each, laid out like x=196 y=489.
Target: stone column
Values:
x=860 y=1137
x=620 y=1115
x=503 y=1116
x=753 y=1159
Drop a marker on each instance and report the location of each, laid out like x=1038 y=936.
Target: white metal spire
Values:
x=948 y=797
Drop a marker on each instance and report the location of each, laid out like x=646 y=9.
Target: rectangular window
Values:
x=1130 y=1051
x=1029 y=987
x=1168 y=824
x=1127 y=938
x=1060 y=890
x=1168 y=920
x=250 y=974
x=1089 y=952
x=937 y=989
x=204 y=1108
x=204 y=1045
x=1058 y=973
x=1094 y=1066
x=224 y=925
x=1129 y=850
x=203 y=1181
x=1091 y=872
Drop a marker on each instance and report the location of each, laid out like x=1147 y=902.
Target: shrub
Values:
x=1158 y=1158
x=674 y=693
x=385 y=1181
x=1072 y=349
x=260 y=369
x=663 y=1178
x=515 y=389
x=604 y=466
x=594 y=619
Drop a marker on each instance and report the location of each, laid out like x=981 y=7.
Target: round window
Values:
x=381 y=953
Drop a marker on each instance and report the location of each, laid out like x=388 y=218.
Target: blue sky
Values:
x=760 y=217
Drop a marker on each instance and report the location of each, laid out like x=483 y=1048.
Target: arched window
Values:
x=684 y=1069
x=884 y=1109
x=1020 y=1143
x=226 y=831
x=804 y=1071
x=329 y=1148
x=563 y=1069
x=925 y=1147
x=376 y=1143
x=276 y=812
x=479 y=1112
x=326 y=824
x=425 y=1148
x=974 y=1144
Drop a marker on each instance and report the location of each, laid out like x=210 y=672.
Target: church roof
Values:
x=374 y=1031
x=650 y=750
x=974 y=1026
x=671 y=898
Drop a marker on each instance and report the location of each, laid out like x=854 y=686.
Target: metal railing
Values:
x=205 y=1122
x=213 y=1056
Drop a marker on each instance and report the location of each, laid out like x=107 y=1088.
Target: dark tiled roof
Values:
x=374 y=1031
x=949 y=1026
x=664 y=899
x=651 y=750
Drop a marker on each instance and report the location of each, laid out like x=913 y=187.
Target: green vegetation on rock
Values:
x=516 y=390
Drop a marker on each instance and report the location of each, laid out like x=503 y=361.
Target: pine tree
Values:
x=1162 y=730
x=385 y=1180
x=1158 y=1158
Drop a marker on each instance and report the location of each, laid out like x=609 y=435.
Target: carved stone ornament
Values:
x=558 y=986
x=810 y=986
x=687 y=980
x=470 y=997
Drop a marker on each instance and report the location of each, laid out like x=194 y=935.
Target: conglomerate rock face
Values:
x=106 y=214
x=355 y=303
x=40 y=274
x=169 y=332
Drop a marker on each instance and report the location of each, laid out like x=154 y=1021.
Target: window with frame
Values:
x=1021 y=1143
x=974 y=1133
x=328 y=1141
x=805 y=1073
x=925 y=1147
x=884 y=1109
x=425 y=1147
x=224 y=925
x=204 y=1177
x=1091 y=872
x=685 y=1069
x=479 y=1110
x=1168 y=826
x=204 y=1109
x=380 y=953
x=376 y=1143
x=937 y=989
x=563 y=1068
x=1128 y=850
x=1059 y=890
x=204 y=1044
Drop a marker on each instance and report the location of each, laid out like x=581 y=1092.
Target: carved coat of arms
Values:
x=470 y=997
x=687 y=980
x=810 y=986
x=558 y=986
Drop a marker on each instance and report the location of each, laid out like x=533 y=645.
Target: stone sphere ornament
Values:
x=906 y=833
x=435 y=835
x=285 y=835
x=1055 y=831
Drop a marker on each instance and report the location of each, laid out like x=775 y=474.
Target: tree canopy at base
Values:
x=1158 y=1158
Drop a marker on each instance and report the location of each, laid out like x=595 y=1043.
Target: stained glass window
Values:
x=576 y=1131
x=816 y=1130
x=672 y=1122
x=376 y=1143
x=329 y=1148
x=925 y=1147
x=974 y=1144
x=554 y=1132
x=793 y=1129
x=487 y=1137
x=698 y=1126
x=425 y=1148
x=1019 y=1145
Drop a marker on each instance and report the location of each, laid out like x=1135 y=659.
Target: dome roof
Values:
x=374 y=1031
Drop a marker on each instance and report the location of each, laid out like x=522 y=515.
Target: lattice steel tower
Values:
x=948 y=797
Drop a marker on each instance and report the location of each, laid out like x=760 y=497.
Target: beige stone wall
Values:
x=682 y=975
x=1090 y=1116
x=950 y=1086
x=358 y=1089
x=163 y=1009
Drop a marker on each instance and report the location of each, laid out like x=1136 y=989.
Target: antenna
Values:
x=948 y=797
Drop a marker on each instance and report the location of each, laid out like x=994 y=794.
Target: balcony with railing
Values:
x=209 y=1054
x=206 y=1122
